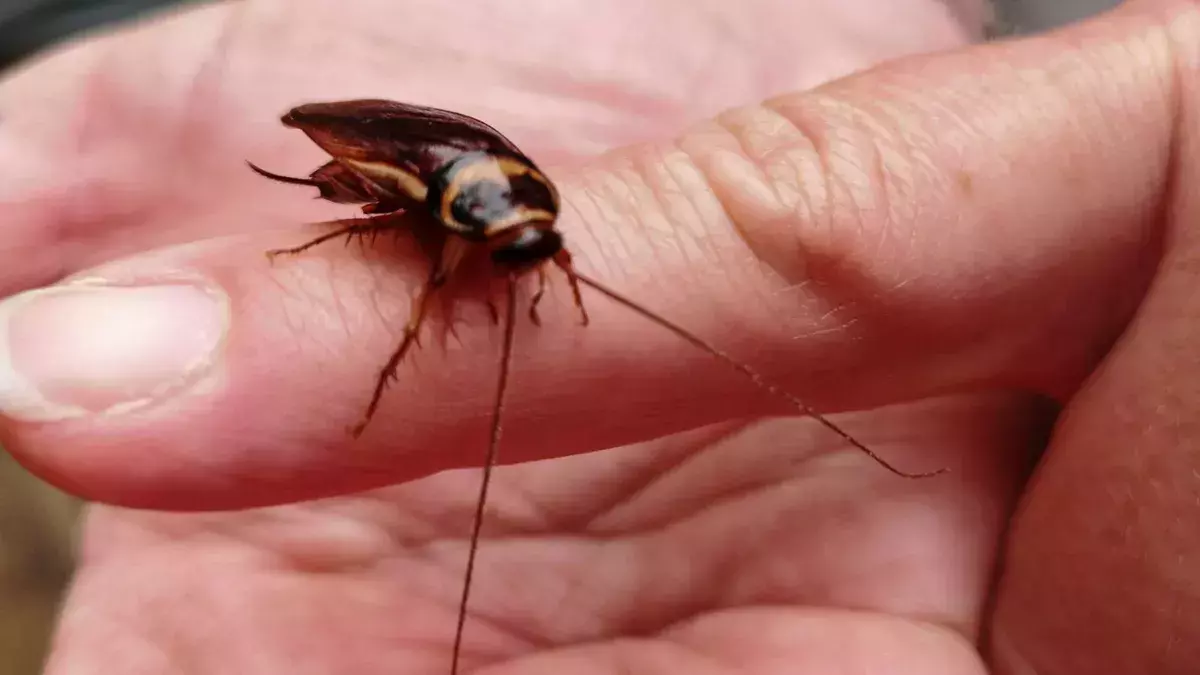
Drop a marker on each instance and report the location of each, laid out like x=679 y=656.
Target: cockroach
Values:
x=466 y=184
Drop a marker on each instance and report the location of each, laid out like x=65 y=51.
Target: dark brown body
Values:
x=472 y=180
x=445 y=168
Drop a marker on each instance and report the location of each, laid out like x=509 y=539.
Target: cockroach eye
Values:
x=533 y=245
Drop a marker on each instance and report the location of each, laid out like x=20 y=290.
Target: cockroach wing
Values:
x=338 y=184
x=412 y=138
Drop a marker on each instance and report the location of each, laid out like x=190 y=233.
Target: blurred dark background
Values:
x=29 y=25
x=37 y=523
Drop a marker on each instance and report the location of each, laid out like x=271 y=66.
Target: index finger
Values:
x=910 y=236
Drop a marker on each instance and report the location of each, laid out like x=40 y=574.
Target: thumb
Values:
x=985 y=218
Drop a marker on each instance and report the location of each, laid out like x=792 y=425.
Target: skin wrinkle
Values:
x=713 y=219
x=917 y=167
x=622 y=191
x=611 y=253
x=447 y=519
x=675 y=166
x=775 y=161
x=610 y=210
x=650 y=477
x=759 y=178
x=719 y=254
x=830 y=175
x=650 y=542
x=867 y=185
x=715 y=183
x=883 y=201
x=615 y=189
x=724 y=567
x=707 y=260
x=699 y=506
x=837 y=142
x=652 y=533
x=898 y=169
x=814 y=145
x=673 y=235
x=540 y=633
x=573 y=211
x=726 y=129
x=716 y=190
x=679 y=203
x=806 y=201
x=642 y=606
x=604 y=491
x=533 y=515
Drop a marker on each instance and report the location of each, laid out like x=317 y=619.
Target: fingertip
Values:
x=201 y=377
x=91 y=348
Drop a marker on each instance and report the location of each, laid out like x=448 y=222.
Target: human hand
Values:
x=941 y=270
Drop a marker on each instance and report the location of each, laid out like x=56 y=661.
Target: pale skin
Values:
x=981 y=225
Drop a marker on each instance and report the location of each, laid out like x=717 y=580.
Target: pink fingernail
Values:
x=84 y=349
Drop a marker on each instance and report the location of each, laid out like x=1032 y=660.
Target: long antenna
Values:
x=488 y=464
x=753 y=375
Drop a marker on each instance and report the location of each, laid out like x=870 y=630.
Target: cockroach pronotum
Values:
x=465 y=184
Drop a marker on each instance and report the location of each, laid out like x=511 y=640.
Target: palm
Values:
x=725 y=544
x=736 y=544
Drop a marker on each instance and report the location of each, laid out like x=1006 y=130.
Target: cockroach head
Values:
x=526 y=246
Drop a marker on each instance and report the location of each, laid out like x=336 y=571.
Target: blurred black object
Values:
x=27 y=26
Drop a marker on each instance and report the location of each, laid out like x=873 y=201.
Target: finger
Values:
x=916 y=236
x=230 y=380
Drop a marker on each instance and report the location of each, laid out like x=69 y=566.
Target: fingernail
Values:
x=86 y=348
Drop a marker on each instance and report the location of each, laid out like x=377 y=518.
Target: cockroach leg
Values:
x=350 y=228
x=563 y=260
x=537 y=295
x=452 y=319
x=388 y=372
x=493 y=311
x=452 y=255
x=348 y=231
